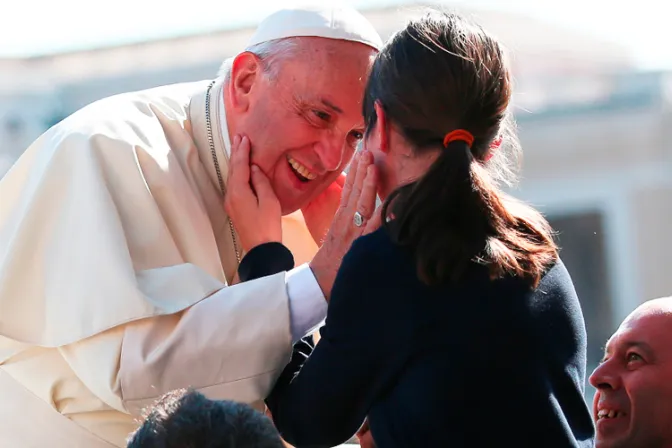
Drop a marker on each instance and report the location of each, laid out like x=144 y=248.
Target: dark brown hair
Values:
x=187 y=419
x=439 y=74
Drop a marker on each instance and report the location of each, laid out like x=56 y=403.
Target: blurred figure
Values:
x=183 y=419
x=633 y=404
x=455 y=324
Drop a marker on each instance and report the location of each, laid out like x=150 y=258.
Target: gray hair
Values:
x=271 y=54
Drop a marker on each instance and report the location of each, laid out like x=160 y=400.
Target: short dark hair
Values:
x=439 y=74
x=187 y=419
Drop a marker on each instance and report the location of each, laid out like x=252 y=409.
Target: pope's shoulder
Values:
x=120 y=124
x=131 y=108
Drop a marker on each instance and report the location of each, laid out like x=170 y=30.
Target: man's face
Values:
x=633 y=404
x=305 y=123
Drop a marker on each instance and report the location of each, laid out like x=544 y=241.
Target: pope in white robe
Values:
x=116 y=254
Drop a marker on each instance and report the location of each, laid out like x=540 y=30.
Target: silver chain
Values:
x=211 y=142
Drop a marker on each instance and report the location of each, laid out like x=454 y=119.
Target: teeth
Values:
x=301 y=169
x=607 y=413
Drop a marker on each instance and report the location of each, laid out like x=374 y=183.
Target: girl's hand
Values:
x=250 y=200
x=356 y=216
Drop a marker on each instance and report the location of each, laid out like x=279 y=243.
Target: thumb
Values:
x=261 y=184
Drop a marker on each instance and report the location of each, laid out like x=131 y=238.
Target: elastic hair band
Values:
x=458 y=134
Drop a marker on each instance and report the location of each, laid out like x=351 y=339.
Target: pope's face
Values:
x=304 y=123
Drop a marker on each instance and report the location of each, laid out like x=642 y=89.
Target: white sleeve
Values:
x=232 y=345
x=307 y=305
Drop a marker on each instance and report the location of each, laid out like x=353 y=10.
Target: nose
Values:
x=605 y=377
x=330 y=150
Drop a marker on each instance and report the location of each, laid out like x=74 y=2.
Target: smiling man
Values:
x=117 y=256
x=633 y=403
x=304 y=126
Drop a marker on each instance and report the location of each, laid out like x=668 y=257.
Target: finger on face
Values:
x=262 y=186
x=240 y=160
x=367 y=198
x=358 y=184
x=235 y=143
x=350 y=179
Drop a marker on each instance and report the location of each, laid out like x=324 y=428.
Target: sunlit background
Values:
x=593 y=96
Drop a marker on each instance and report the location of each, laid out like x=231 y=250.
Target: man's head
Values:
x=183 y=419
x=298 y=98
x=633 y=403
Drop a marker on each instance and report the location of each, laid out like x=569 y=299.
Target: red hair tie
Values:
x=458 y=135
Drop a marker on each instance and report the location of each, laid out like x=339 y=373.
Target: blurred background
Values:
x=593 y=102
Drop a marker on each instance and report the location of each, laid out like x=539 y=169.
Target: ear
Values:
x=245 y=71
x=382 y=127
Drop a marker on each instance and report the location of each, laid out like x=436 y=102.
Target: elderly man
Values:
x=633 y=403
x=117 y=256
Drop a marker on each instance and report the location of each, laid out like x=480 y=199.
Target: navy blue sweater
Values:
x=481 y=363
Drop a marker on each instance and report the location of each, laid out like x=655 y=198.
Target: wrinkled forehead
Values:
x=337 y=69
x=336 y=72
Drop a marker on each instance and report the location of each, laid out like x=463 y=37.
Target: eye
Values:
x=354 y=138
x=633 y=357
x=321 y=115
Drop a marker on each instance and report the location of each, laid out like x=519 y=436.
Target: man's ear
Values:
x=245 y=71
x=382 y=127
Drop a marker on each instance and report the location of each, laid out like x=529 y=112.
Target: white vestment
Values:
x=115 y=253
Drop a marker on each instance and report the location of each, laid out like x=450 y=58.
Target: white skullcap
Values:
x=331 y=22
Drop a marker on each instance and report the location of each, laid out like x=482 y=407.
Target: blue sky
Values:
x=29 y=27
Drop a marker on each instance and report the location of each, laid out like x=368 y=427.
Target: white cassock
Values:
x=115 y=255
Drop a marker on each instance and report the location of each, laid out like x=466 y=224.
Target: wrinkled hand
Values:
x=250 y=201
x=319 y=213
x=359 y=195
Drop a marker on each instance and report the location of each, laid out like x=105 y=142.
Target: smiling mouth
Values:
x=301 y=171
x=609 y=414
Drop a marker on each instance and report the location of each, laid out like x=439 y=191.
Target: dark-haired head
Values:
x=187 y=419
x=440 y=74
